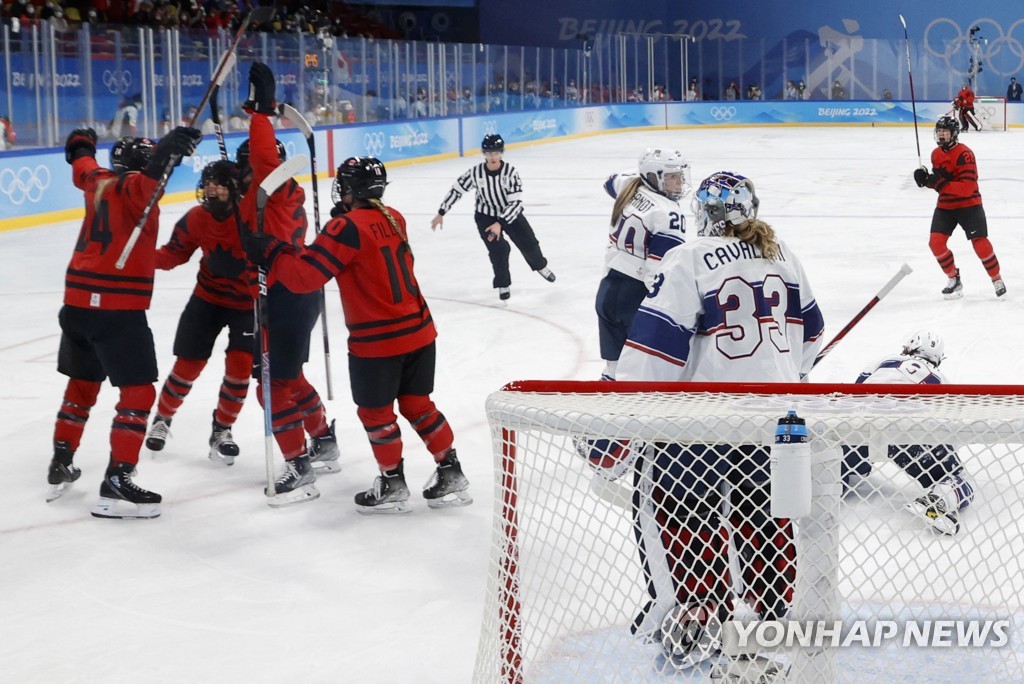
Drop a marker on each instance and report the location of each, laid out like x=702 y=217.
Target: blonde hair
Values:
x=379 y=206
x=757 y=233
x=624 y=198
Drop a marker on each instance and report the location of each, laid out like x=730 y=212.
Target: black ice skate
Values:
x=223 y=448
x=158 y=433
x=447 y=487
x=954 y=288
x=504 y=293
x=1000 y=287
x=122 y=498
x=389 y=494
x=323 y=452
x=546 y=274
x=62 y=472
x=296 y=484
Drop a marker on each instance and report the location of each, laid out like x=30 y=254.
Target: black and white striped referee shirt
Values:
x=498 y=193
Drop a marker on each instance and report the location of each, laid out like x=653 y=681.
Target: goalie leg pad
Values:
x=855 y=466
x=926 y=464
x=767 y=551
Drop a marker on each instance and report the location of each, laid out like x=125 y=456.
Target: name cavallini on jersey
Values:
x=734 y=252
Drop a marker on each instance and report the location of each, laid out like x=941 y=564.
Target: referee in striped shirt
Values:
x=499 y=212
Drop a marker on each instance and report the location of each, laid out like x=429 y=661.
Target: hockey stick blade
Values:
x=278 y=177
x=904 y=22
x=904 y=271
x=293 y=115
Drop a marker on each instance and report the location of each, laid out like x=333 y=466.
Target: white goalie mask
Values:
x=723 y=198
x=925 y=345
x=656 y=163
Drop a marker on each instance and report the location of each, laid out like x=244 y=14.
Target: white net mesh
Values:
x=629 y=523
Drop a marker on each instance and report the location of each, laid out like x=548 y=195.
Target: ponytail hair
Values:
x=377 y=204
x=759 y=234
x=624 y=198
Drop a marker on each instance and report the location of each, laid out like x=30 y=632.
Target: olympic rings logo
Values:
x=24 y=184
x=289 y=149
x=117 y=81
x=374 y=143
x=723 y=113
x=985 y=113
x=945 y=39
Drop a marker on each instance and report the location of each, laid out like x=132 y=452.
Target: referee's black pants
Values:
x=521 y=234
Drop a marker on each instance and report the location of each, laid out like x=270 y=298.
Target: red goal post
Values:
x=991 y=112
x=566 y=580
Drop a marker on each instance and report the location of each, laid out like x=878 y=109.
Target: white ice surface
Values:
x=221 y=588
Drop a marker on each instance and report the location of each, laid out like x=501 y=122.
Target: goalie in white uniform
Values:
x=937 y=468
x=647 y=221
x=732 y=306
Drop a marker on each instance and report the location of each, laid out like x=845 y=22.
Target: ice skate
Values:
x=690 y=635
x=296 y=484
x=62 y=472
x=324 y=452
x=158 y=433
x=504 y=293
x=120 y=497
x=954 y=288
x=748 y=668
x=223 y=448
x=388 y=495
x=1000 y=287
x=546 y=274
x=932 y=509
x=447 y=487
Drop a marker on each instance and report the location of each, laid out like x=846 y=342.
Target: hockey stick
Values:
x=274 y=180
x=293 y=115
x=218 y=78
x=913 y=104
x=215 y=108
x=904 y=271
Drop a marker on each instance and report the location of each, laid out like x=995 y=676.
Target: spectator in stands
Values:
x=1013 y=91
x=754 y=92
x=838 y=91
x=732 y=92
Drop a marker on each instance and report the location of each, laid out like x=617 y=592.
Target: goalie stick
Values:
x=218 y=78
x=293 y=115
x=274 y=180
x=913 y=105
x=904 y=271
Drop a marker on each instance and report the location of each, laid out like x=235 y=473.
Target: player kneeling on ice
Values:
x=954 y=176
x=391 y=346
x=695 y=501
x=937 y=468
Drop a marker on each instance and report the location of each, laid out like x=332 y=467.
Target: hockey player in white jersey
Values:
x=936 y=468
x=732 y=305
x=647 y=221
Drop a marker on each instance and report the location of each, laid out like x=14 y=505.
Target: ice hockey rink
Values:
x=221 y=588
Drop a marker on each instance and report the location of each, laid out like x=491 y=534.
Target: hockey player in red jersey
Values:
x=221 y=299
x=964 y=105
x=954 y=176
x=391 y=333
x=296 y=409
x=103 y=320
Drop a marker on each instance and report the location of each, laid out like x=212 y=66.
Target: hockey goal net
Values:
x=617 y=502
x=991 y=112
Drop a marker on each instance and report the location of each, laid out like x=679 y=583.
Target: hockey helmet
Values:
x=925 y=345
x=361 y=177
x=242 y=155
x=947 y=123
x=655 y=164
x=493 y=143
x=724 y=198
x=131 y=154
x=225 y=174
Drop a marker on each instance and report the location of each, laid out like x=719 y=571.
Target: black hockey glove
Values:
x=921 y=176
x=81 y=143
x=261 y=90
x=180 y=142
x=263 y=249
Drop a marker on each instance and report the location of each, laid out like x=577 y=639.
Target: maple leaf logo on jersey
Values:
x=223 y=264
